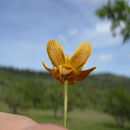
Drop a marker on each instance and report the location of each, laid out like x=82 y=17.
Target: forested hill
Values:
x=103 y=80
x=26 y=89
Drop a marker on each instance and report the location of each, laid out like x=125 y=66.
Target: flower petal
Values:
x=83 y=74
x=81 y=55
x=55 y=53
x=52 y=71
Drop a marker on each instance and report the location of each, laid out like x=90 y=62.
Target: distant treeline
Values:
x=24 y=89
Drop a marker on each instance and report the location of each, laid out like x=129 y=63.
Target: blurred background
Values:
x=102 y=101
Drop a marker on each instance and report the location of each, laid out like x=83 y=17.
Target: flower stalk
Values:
x=65 y=103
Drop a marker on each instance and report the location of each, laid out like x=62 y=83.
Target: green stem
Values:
x=65 y=103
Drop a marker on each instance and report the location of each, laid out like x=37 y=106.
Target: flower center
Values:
x=65 y=72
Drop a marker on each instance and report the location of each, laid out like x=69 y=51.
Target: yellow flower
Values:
x=68 y=68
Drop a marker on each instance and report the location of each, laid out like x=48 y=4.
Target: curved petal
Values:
x=55 y=53
x=83 y=74
x=81 y=55
x=52 y=71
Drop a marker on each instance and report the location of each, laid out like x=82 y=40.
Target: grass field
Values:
x=78 y=120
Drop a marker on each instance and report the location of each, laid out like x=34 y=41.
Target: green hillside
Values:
x=98 y=80
x=39 y=96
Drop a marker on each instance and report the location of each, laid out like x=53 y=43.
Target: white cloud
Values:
x=62 y=38
x=99 y=35
x=73 y=32
x=103 y=27
x=105 y=57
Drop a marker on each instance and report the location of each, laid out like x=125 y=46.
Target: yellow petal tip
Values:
x=55 y=53
x=81 y=55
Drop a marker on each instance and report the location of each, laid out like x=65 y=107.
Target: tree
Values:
x=22 y=95
x=54 y=98
x=118 y=12
x=13 y=98
x=117 y=103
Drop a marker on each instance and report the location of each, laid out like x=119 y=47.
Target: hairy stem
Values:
x=65 y=103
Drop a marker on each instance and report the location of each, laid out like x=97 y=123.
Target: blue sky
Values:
x=27 y=25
